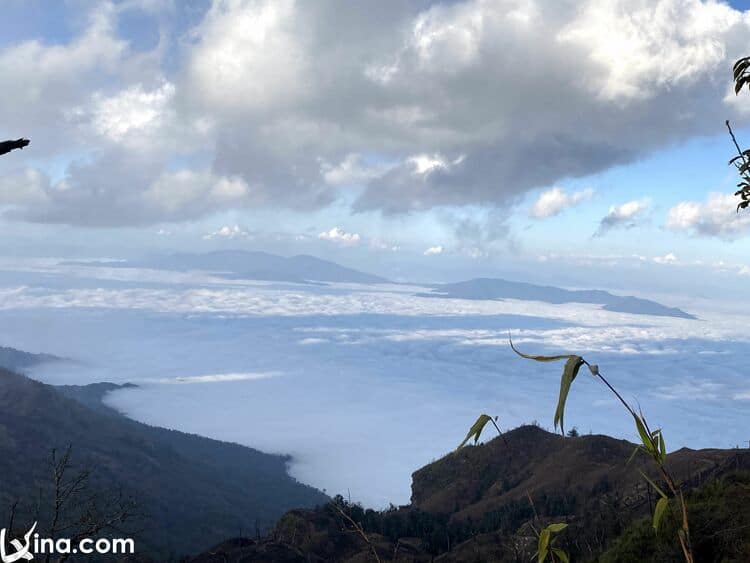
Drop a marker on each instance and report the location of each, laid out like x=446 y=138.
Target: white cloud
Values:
x=555 y=200
x=175 y=191
x=425 y=163
x=433 y=251
x=338 y=235
x=27 y=187
x=380 y=244
x=692 y=389
x=715 y=217
x=250 y=55
x=138 y=118
x=55 y=77
x=122 y=188
x=625 y=216
x=134 y=112
x=265 y=93
x=227 y=232
x=667 y=44
x=405 y=90
x=352 y=170
x=668 y=258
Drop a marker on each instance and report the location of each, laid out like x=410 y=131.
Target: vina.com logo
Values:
x=33 y=544
x=22 y=550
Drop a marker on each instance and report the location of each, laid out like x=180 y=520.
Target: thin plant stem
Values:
x=496 y=426
x=742 y=169
x=687 y=550
x=603 y=380
x=499 y=431
x=734 y=140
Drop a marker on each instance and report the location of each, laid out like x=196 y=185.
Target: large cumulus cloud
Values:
x=437 y=104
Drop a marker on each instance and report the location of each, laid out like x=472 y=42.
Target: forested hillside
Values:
x=188 y=492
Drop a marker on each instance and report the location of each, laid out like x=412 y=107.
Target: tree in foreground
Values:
x=69 y=507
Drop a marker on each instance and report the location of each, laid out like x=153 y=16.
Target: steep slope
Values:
x=489 y=288
x=192 y=491
x=473 y=505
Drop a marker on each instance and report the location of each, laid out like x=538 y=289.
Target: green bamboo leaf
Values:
x=632 y=456
x=654 y=485
x=661 y=506
x=476 y=429
x=555 y=528
x=543 y=547
x=570 y=371
x=662 y=448
x=539 y=358
x=645 y=438
x=561 y=555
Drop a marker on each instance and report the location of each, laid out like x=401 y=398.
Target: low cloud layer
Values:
x=254 y=103
x=306 y=370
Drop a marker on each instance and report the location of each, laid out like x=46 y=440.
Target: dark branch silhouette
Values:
x=7 y=146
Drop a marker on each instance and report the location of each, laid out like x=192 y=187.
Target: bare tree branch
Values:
x=7 y=146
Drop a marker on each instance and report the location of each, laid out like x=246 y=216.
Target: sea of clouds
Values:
x=362 y=385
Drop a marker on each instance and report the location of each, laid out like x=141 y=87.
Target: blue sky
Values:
x=424 y=141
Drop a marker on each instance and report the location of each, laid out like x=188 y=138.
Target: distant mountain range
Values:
x=247 y=265
x=191 y=492
x=243 y=264
x=489 y=288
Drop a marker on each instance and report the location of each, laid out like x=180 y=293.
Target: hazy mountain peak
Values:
x=495 y=288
